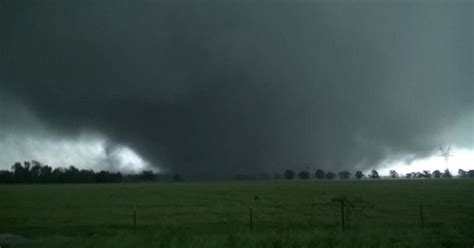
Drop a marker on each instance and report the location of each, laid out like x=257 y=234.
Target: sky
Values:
x=210 y=89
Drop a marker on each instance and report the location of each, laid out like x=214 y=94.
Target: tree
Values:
x=304 y=175
x=20 y=174
x=447 y=174
x=374 y=174
x=117 y=177
x=437 y=174
x=6 y=176
x=426 y=174
x=319 y=174
x=35 y=171
x=394 y=174
x=330 y=175
x=344 y=175
x=57 y=175
x=289 y=174
x=359 y=175
x=148 y=175
x=86 y=176
x=462 y=173
x=107 y=177
x=45 y=174
x=470 y=173
x=71 y=174
x=27 y=165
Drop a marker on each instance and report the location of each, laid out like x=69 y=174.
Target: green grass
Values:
x=286 y=214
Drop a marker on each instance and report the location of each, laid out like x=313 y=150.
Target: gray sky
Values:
x=213 y=88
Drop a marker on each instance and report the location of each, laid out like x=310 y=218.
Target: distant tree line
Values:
x=343 y=175
x=35 y=172
x=320 y=174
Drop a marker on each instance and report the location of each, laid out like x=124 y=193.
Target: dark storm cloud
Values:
x=214 y=88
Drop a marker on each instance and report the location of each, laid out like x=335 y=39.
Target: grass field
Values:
x=285 y=214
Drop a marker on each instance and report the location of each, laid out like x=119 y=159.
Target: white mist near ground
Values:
x=127 y=160
x=86 y=151
x=460 y=158
x=25 y=137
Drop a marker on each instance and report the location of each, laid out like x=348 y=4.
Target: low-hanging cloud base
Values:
x=214 y=89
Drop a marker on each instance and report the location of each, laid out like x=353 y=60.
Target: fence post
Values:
x=135 y=219
x=421 y=216
x=342 y=214
x=251 y=219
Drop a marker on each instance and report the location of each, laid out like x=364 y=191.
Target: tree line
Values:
x=35 y=172
x=321 y=174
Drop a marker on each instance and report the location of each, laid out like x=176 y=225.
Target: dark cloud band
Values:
x=219 y=88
